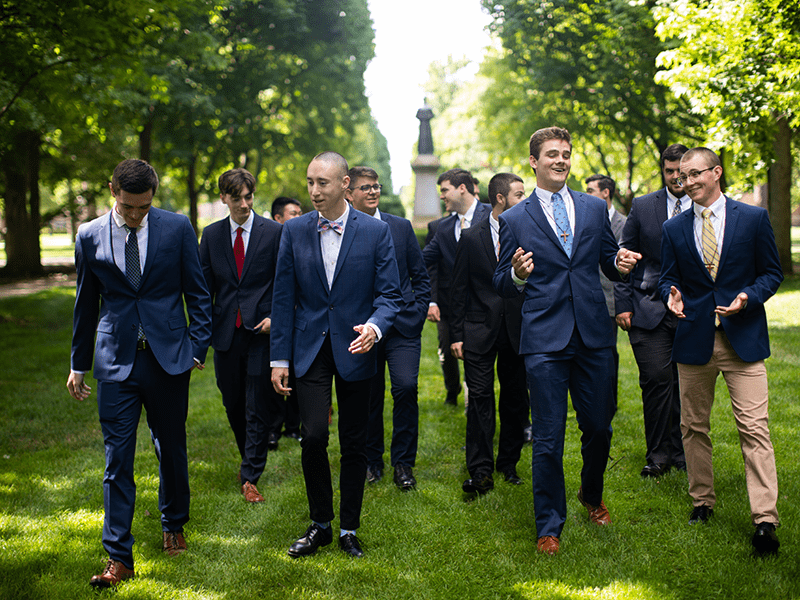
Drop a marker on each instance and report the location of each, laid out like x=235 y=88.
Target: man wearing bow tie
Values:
x=337 y=292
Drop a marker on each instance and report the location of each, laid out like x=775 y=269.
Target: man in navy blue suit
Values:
x=337 y=293
x=136 y=267
x=551 y=244
x=238 y=255
x=719 y=265
x=650 y=326
x=400 y=346
x=458 y=193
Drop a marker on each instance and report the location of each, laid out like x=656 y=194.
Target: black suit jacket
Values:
x=441 y=253
x=477 y=310
x=253 y=294
x=642 y=234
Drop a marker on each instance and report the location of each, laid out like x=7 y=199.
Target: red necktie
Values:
x=238 y=254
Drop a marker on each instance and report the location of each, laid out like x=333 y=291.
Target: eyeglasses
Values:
x=684 y=178
x=367 y=187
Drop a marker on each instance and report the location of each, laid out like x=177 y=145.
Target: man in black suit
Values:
x=650 y=326
x=238 y=255
x=400 y=346
x=457 y=192
x=484 y=328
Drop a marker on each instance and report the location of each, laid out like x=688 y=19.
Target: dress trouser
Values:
x=448 y=362
x=748 y=389
x=165 y=399
x=314 y=391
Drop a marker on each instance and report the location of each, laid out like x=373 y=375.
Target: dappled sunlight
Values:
x=617 y=590
x=65 y=532
x=783 y=310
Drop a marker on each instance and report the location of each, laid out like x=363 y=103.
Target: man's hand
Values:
x=739 y=303
x=675 y=302
x=264 y=326
x=77 y=386
x=624 y=320
x=365 y=340
x=522 y=263
x=433 y=314
x=457 y=350
x=626 y=260
x=280 y=380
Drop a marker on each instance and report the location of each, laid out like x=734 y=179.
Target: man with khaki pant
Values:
x=719 y=265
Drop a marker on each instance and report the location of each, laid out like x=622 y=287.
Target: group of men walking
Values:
x=334 y=296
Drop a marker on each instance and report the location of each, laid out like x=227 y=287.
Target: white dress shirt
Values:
x=247 y=227
x=119 y=236
x=686 y=202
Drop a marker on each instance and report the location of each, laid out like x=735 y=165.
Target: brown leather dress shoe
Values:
x=174 y=543
x=114 y=573
x=597 y=514
x=251 y=494
x=547 y=544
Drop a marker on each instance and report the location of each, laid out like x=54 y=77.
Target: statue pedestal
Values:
x=426 y=197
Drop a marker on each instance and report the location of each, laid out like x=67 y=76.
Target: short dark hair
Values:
x=673 y=152
x=548 y=133
x=134 y=176
x=280 y=203
x=604 y=182
x=365 y=172
x=333 y=158
x=232 y=182
x=501 y=184
x=456 y=177
x=709 y=156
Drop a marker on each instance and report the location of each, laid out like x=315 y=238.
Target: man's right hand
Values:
x=522 y=263
x=280 y=380
x=433 y=314
x=675 y=302
x=457 y=350
x=77 y=386
x=624 y=320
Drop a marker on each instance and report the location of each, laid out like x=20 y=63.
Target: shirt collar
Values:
x=547 y=197
x=471 y=211
x=247 y=225
x=494 y=223
x=120 y=221
x=377 y=214
x=717 y=208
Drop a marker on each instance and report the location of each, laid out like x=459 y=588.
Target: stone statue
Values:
x=425 y=145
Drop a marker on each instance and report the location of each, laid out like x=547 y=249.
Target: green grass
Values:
x=427 y=544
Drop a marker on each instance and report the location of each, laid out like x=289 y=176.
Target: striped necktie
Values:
x=709 y=244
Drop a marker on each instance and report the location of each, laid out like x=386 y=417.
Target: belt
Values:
x=141 y=345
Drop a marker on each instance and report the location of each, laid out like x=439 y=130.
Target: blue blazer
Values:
x=749 y=263
x=106 y=302
x=365 y=287
x=253 y=293
x=642 y=234
x=562 y=292
x=415 y=285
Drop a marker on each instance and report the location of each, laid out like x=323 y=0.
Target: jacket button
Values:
x=331 y=307
x=324 y=332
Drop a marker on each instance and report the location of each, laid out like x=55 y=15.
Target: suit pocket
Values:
x=475 y=317
x=177 y=323
x=535 y=304
x=300 y=324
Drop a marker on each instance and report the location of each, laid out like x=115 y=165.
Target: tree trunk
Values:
x=192 y=189
x=20 y=166
x=780 y=193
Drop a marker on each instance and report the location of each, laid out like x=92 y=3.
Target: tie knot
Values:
x=707 y=213
x=324 y=224
x=556 y=197
x=239 y=230
x=129 y=229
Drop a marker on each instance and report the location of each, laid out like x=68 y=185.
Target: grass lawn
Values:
x=427 y=544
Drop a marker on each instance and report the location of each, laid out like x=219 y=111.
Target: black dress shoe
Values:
x=295 y=435
x=680 y=465
x=314 y=537
x=654 y=470
x=272 y=441
x=451 y=400
x=479 y=484
x=350 y=544
x=511 y=477
x=404 y=477
x=765 y=540
x=374 y=474
x=700 y=514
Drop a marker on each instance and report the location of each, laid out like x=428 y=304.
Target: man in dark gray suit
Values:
x=650 y=327
x=604 y=187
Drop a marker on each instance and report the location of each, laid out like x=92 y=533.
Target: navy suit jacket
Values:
x=562 y=292
x=365 y=287
x=106 y=302
x=642 y=234
x=441 y=253
x=253 y=293
x=749 y=263
x=415 y=285
x=477 y=309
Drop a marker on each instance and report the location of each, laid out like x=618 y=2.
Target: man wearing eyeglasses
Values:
x=650 y=326
x=400 y=346
x=720 y=265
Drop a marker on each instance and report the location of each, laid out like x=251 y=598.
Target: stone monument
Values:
x=426 y=170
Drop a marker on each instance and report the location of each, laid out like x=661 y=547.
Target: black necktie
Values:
x=133 y=268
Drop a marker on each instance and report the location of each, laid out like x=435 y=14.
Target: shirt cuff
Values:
x=279 y=364
x=520 y=283
x=432 y=304
x=376 y=329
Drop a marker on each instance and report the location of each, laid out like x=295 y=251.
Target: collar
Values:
x=494 y=223
x=672 y=198
x=120 y=221
x=470 y=211
x=717 y=208
x=341 y=219
x=247 y=225
x=547 y=197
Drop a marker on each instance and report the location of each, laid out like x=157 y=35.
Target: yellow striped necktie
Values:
x=709 y=243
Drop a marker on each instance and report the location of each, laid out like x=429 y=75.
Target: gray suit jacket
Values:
x=617 y=223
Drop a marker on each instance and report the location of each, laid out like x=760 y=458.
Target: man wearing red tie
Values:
x=238 y=255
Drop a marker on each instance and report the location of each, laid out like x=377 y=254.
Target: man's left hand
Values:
x=264 y=326
x=365 y=340
x=739 y=303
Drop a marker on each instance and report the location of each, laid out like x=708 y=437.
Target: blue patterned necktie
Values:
x=324 y=224
x=562 y=223
x=133 y=268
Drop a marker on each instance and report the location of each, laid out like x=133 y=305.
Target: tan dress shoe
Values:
x=597 y=514
x=251 y=494
x=114 y=573
x=547 y=544
x=174 y=543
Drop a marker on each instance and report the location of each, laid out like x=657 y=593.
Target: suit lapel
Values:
x=534 y=209
x=485 y=233
x=347 y=241
x=153 y=241
x=579 y=202
x=105 y=246
x=256 y=235
x=731 y=219
x=688 y=234
x=314 y=243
